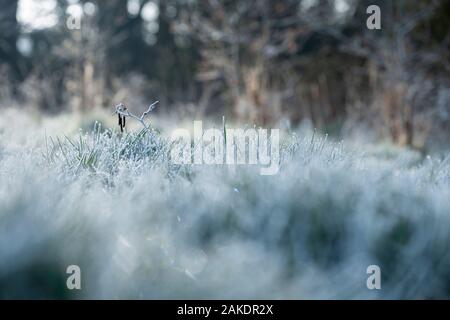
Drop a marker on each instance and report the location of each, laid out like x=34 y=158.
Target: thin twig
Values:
x=123 y=111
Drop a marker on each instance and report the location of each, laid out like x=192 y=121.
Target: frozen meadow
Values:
x=140 y=226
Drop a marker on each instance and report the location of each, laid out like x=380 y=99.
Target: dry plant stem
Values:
x=127 y=113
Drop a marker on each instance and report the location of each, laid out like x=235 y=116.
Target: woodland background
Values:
x=255 y=61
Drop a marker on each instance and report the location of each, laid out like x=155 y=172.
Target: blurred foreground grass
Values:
x=141 y=227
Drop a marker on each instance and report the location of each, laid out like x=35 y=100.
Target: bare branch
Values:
x=150 y=108
x=123 y=111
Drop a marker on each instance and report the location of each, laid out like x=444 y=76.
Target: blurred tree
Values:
x=407 y=63
x=9 y=35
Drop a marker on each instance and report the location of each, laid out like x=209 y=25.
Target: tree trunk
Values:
x=9 y=34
